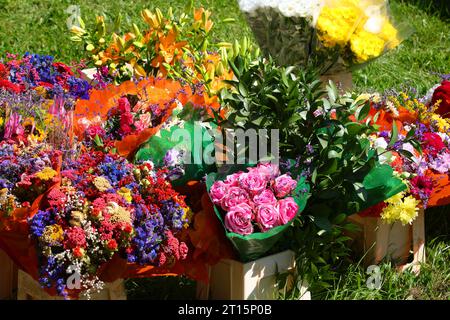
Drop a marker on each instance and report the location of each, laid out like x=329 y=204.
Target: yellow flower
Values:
x=52 y=234
x=366 y=45
x=118 y=213
x=400 y=208
x=389 y=34
x=102 y=184
x=443 y=125
x=187 y=216
x=335 y=25
x=126 y=194
x=46 y=174
x=2 y=121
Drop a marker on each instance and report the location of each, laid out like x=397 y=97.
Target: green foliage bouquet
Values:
x=325 y=135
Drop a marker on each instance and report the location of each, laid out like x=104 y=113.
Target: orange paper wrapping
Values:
x=441 y=190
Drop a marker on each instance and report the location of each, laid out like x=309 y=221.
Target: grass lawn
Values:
x=40 y=26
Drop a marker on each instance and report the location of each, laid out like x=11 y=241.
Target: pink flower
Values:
x=144 y=122
x=267 y=217
x=288 y=209
x=74 y=237
x=265 y=197
x=233 y=197
x=268 y=170
x=124 y=105
x=239 y=219
x=13 y=126
x=218 y=191
x=95 y=130
x=284 y=185
x=183 y=250
x=233 y=179
x=253 y=182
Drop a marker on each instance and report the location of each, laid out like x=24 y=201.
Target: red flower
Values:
x=124 y=105
x=45 y=84
x=421 y=187
x=75 y=237
x=62 y=68
x=162 y=259
x=442 y=93
x=433 y=143
x=9 y=86
x=77 y=252
x=128 y=228
x=3 y=72
x=112 y=245
x=183 y=250
x=397 y=164
x=56 y=198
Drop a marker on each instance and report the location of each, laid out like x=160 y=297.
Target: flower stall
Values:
x=115 y=168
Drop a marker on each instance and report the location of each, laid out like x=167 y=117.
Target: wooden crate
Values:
x=30 y=289
x=256 y=280
x=8 y=277
x=378 y=241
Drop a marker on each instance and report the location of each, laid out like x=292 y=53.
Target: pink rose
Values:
x=239 y=219
x=267 y=217
x=233 y=197
x=95 y=130
x=144 y=122
x=253 y=182
x=284 y=185
x=265 y=197
x=233 y=179
x=268 y=170
x=218 y=191
x=288 y=209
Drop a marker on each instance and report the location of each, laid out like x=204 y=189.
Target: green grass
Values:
x=40 y=26
x=432 y=283
x=417 y=60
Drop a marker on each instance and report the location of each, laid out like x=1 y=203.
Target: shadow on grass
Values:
x=161 y=288
x=439 y=8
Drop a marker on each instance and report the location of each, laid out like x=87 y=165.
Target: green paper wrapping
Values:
x=167 y=138
x=254 y=246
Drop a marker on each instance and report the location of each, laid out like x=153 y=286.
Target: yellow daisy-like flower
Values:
x=366 y=45
x=52 y=234
x=2 y=121
x=400 y=208
x=46 y=174
x=443 y=125
x=126 y=194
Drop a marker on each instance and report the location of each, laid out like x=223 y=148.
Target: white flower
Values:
x=380 y=143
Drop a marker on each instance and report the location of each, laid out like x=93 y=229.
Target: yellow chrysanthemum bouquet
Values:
x=353 y=32
x=331 y=35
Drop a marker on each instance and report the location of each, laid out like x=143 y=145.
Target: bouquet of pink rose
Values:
x=256 y=206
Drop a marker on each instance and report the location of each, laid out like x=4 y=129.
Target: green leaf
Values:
x=363 y=112
x=354 y=128
x=394 y=135
x=340 y=218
